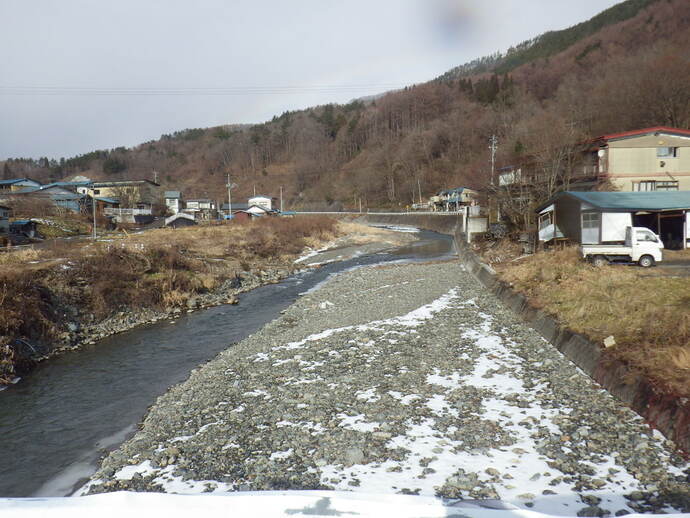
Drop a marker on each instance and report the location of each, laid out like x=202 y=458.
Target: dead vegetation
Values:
x=648 y=316
x=42 y=289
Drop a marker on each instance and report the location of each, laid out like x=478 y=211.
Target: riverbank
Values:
x=640 y=317
x=404 y=379
x=67 y=295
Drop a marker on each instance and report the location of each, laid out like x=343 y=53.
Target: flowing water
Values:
x=58 y=421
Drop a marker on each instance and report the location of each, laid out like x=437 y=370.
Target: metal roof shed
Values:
x=660 y=201
x=596 y=217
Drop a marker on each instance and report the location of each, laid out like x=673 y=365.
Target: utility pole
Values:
x=419 y=186
x=93 y=210
x=281 y=198
x=493 y=145
x=230 y=186
x=93 y=204
x=360 y=205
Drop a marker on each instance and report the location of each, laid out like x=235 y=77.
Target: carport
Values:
x=601 y=217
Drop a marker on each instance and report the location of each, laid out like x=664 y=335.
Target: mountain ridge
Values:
x=432 y=134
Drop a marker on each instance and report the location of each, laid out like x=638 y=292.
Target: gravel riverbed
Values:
x=405 y=378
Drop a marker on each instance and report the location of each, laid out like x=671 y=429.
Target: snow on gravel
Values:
x=452 y=398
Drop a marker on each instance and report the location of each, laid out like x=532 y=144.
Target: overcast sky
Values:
x=79 y=75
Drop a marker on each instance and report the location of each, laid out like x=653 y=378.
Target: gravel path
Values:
x=402 y=379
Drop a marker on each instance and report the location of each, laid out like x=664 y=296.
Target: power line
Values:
x=188 y=91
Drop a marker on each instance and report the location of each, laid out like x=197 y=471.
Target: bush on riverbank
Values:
x=45 y=292
x=647 y=314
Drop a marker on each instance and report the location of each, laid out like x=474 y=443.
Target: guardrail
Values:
x=404 y=213
x=109 y=211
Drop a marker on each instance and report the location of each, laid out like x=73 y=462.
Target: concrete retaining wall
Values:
x=442 y=223
x=670 y=415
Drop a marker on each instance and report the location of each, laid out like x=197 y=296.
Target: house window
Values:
x=590 y=220
x=545 y=220
x=646 y=185
x=653 y=185
x=667 y=185
x=666 y=152
x=590 y=227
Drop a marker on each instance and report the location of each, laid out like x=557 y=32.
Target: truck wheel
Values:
x=646 y=261
x=599 y=261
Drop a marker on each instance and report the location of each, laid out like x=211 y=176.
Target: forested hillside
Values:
x=624 y=69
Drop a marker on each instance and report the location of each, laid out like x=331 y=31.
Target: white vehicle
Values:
x=642 y=246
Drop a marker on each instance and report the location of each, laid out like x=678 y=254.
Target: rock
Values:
x=353 y=456
x=526 y=496
x=609 y=341
x=592 y=510
x=492 y=472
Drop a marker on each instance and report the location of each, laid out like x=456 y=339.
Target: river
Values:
x=61 y=418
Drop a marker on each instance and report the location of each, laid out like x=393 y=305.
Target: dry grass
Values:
x=649 y=317
x=21 y=256
x=82 y=280
x=359 y=234
x=159 y=268
x=677 y=255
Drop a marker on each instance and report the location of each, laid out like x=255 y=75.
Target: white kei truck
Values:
x=642 y=246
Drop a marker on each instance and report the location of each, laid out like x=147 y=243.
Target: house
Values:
x=601 y=217
x=24 y=227
x=4 y=219
x=650 y=159
x=63 y=195
x=201 y=208
x=179 y=220
x=17 y=184
x=103 y=204
x=241 y=216
x=226 y=208
x=259 y=200
x=131 y=194
x=173 y=201
x=258 y=211
x=453 y=199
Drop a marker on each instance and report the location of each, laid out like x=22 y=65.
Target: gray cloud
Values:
x=131 y=64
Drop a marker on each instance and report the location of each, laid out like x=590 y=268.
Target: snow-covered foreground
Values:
x=267 y=504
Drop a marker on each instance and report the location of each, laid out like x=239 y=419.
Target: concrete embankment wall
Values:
x=441 y=223
x=669 y=414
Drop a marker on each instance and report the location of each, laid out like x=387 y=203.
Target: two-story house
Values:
x=265 y=202
x=131 y=194
x=173 y=201
x=201 y=208
x=651 y=159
